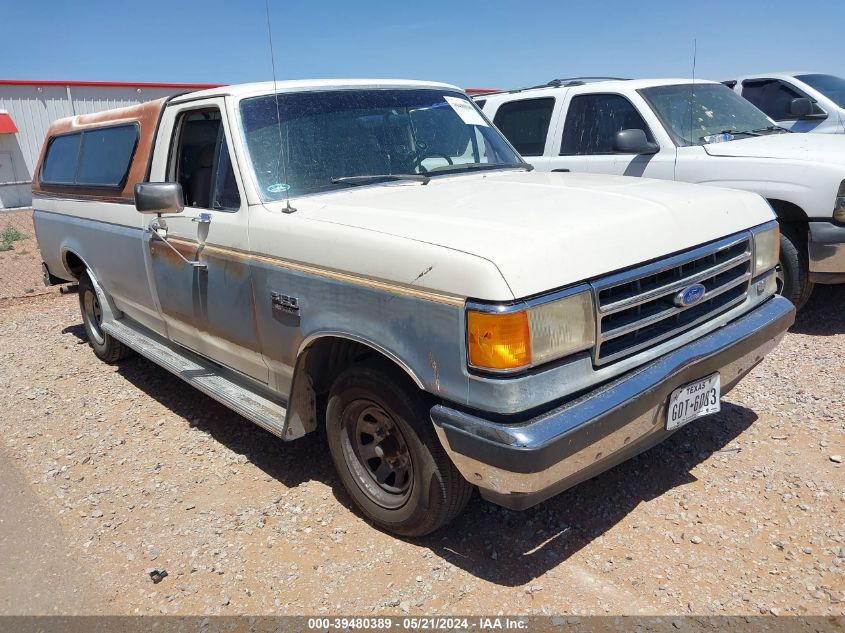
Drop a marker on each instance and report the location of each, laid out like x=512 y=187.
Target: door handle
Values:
x=560 y=170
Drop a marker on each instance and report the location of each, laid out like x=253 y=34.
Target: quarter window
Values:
x=592 y=122
x=774 y=97
x=525 y=123
x=60 y=161
x=91 y=158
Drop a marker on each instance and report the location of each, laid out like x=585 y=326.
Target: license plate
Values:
x=693 y=400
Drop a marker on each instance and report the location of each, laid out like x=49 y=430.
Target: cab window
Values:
x=202 y=163
x=525 y=124
x=593 y=120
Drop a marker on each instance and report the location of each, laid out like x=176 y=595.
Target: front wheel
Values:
x=387 y=454
x=793 y=271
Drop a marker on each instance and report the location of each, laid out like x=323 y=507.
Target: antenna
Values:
x=692 y=85
x=284 y=163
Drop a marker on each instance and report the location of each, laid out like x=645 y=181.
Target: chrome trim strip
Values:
x=505 y=307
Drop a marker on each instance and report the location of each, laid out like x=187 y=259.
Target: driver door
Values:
x=207 y=308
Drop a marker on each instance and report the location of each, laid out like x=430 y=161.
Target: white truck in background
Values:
x=801 y=102
x=693 y=131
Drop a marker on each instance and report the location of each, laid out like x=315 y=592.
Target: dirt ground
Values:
x=111 y=471
x=20 y=261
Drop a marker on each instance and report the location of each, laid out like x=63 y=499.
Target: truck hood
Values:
x=802 y=147
x=546 y=230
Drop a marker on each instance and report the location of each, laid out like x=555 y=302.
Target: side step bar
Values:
x=221 y=384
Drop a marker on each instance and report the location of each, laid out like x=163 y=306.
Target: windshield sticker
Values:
x=279 y=187
x=464 y=109
x=718 y=138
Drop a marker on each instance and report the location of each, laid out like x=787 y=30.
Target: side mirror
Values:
x=633 y=141
x=159 y=197
x=801 y=107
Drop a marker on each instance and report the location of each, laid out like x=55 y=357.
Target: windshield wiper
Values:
x=771 y=128
x=371 y=178
x=479 y=166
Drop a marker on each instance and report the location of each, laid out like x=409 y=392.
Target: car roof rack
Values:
x=554 y=83
x=580 y=81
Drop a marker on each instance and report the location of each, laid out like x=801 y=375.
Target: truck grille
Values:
x=637 y=310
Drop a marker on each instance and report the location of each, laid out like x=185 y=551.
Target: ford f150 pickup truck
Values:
x=375 y=257
x=701 y=132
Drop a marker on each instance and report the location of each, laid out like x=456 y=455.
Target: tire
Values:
x=422 y=490
x=793 y=269
x=105 y=346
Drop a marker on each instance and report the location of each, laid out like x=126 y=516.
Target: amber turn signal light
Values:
x=498 y=341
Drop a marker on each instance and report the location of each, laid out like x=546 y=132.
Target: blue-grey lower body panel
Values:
x=827 y=253
x=518 y=465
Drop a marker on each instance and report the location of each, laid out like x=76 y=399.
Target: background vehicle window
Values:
x=60 y=161
x=830 y=86
x=593 y=121
x=525 y=124
x=202 y=163
x=105 y=155
x=773 y=97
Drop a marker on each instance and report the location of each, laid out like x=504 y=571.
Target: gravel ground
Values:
x=20 y=261
x=739 y=513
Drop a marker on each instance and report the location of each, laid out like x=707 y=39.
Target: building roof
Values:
x=104 y=84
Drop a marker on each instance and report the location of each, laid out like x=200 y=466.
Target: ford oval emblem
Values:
x=690 y=295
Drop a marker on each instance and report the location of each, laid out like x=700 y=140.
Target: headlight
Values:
x=766 y=248
x=510 y=341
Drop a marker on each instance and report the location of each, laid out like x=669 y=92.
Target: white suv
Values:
x=701 y=132
x=801 y=102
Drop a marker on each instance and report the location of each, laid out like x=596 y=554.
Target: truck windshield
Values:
x=309 y=142
x=697 y=114
x=830 y=86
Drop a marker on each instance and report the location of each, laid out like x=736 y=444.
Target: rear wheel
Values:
x=793 y=272
x=387 y=454
x=105 y=346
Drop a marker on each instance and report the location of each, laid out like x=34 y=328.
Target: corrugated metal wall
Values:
x=34 y=108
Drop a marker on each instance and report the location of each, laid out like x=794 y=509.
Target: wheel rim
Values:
x=377 y=454
x=779 y=278
x=93 y=314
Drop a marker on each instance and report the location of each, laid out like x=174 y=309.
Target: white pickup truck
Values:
x=374 y=257
x=701 y=132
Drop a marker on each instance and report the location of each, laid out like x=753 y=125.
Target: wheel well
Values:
x=318 y=366
x=788 y=212
x=74 y=264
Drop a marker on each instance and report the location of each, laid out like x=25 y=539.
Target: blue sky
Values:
x=472 y=44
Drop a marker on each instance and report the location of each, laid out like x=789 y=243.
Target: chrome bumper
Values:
x=826 y=250
x=518 y=465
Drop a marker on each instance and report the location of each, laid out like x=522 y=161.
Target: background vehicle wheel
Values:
x=104 y=345
x=387 y=454
x=793 y=269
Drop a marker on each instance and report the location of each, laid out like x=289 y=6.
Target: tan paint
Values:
x=366 y=282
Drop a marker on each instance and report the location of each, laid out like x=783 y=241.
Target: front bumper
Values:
x=520 y=465
x=826 y=249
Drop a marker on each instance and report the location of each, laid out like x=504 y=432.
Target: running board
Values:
x=221 y=384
